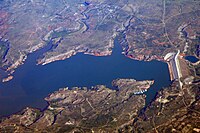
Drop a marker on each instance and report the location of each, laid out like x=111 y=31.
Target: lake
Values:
x=33 y=82
x=192 y=59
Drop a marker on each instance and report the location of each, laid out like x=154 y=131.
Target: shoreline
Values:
x=138 y=92
x=113 y=50
x=10 y=70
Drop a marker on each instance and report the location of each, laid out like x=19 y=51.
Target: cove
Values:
x=33 y=82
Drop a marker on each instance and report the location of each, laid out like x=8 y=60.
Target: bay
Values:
x=32 y=83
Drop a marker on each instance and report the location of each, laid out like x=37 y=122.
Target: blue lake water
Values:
x=33 y=82
x=192 y=59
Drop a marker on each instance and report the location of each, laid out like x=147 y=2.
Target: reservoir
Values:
x=32 y=83
x=192 y=59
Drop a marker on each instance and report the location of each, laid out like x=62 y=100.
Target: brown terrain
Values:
x=100 y=109
x=97 y=109
x=174 y=110
x=146 y=30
